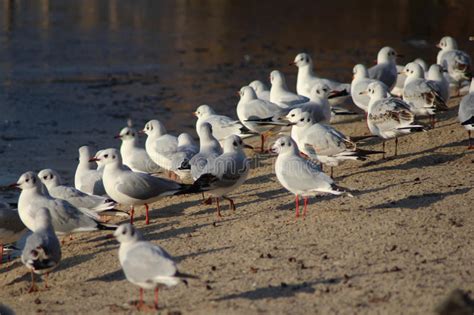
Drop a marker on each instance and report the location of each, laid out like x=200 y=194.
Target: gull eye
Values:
x=302 y=119
x=292 y=115
x=307 y=119
x=106 y=156
x=128 y=132
x=325 y=90
x=283 y=144
x=124 y=231
x=113 y=156
x=317 y=91
x=302 y=59
x=45 y=177
x=234 y=144
x=27 y=180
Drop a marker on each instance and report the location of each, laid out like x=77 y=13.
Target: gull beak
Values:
x=292 y=63
x=363 y=93
x=238 y=93
x=13 y=186
x=117 y=137
x=94 y=159
x=438 y=45
x=195 y=114
x=471 y=38
x=141 y=132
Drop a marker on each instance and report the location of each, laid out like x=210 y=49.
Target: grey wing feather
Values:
x=146 y=261
x=466 y=108
x=45 y=241
x=143 y=186
x=305 y=175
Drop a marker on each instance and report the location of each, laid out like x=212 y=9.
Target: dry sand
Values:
x=399 y=246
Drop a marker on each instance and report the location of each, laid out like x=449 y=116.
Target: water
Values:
x=72 y=72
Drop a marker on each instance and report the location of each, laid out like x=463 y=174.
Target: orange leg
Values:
x=156 y=298
x=231 y=202
x=218 y=208
x=33 y=287
x=147 y=218
x=132 y=212
x=305 y=205
x=297 y=202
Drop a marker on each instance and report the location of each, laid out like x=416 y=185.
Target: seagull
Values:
x=136 y=188
x=11 y=227
x=422 y=94
x=159 y=145
x=56 y=189
x=87 y=179
x=280 y=94
x=261 y=90
x=300 y=176
x=307 y=79
x=386 y=68
x=222 y=126
x=209 y=149
x=457 y=62
x=323 y=142
x=389 y=117
x=227 y=172
x=397 y=90
x=42 y=251
x=318 y=104
x=436 y=76
x=185 y=151
x=66 y=218
x=359 y=84
x=145 y=264
x=466 y=113
x=133 y=155
x=252 y=111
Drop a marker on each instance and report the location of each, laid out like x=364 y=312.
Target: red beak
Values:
x=117 y=137
x=141 y=132
x=292 y=63
x=13 y=186
x=194 y=113
x=94 y=159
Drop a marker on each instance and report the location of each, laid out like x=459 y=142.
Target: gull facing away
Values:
x=42 y=251
x=359 y=84
x=386 y=68
x=466 y=113
x=65 y=217
x=436 y=76
x=457 y=62
x=160 y=145
x=145 y=264
x=306 y=78
x=56 y=189
x=136 y=188
x=225 y=173
x=300 y=176
x=261 y=90
x=209 y=149
x=323 y=142
x=422 y=94
x=222 y=126
x=133 y=155
x=389 y=117
x=87 y=178
x=185 y=151
x=280 y=94
x=252 y=111
x=11 y=227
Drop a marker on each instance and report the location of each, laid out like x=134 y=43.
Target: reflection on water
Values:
x=71 y=72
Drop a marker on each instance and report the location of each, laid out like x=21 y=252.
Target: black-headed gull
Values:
x=209 y=149
x=11 y=226
x=262 y=91
x=435 y=74
x=457 y=62
x=42 y=251
x=280 y=94
x=87 y=178
x=300 y=176
x=145 y=264
x=386 y=68
x=359 y=84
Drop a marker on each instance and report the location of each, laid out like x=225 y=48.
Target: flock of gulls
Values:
x=393 y=98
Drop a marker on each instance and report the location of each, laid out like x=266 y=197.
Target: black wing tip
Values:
x=470 y=121
x=106 y=227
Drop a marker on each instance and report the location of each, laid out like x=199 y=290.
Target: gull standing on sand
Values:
x=466 y=113
x=87 y=178
x=323 y=142
x=300 y=176
x=359 y=84
x=389 y=117
x=422 y=94
x=386 y=68
x=56 y=189
x=185 y=151
x=136 y=188
x=252 y=111
x=397 y=90
x=261 y=90
x=222 y=126
x=307 y=79
x=280 y=94
x=65 y=217
x=209 y=149
x=436 y=76
x=133 y=155
x=227 y=172
x=42 y=251
x=145 y=264
x=11 y=227
x=457 y=62
x=159 y=145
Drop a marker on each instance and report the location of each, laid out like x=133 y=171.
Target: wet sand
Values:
x=399 y=246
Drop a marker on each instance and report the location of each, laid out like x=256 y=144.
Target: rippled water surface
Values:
x=72 y=72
